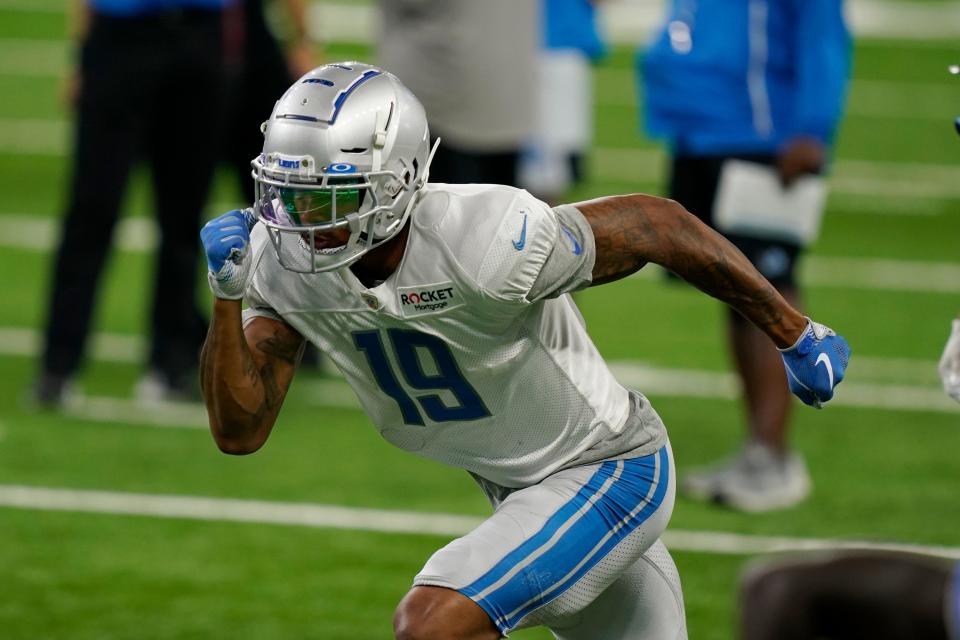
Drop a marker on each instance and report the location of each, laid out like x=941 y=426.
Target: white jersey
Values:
x=472 y=352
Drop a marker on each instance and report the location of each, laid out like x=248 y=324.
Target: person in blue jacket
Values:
x=764 y=83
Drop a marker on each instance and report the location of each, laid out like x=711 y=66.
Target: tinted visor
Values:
x=311 y=207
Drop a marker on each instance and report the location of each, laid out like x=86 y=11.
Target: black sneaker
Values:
x=51 y=392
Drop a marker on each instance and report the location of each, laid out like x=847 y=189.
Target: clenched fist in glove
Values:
x=816 y=363
x=226 y=241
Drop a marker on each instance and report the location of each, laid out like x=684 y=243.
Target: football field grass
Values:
x=885 y=272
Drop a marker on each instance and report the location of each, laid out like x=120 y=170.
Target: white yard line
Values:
x=384 y=521
x=168 y=415
x=35 y=6
x=27 y=58
x=903 y=181
x=41 y=137
x=665 y=382
x=108 y=347
x=881 y=274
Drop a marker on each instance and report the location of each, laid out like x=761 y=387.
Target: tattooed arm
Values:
x=244 y=374
x=632 y=230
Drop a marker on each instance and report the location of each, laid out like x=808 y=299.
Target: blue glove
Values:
x=226 y=239
x=815 y=363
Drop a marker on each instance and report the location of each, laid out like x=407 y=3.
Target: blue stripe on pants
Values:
x=544 y=534
x=628 y=525
x=551 y=574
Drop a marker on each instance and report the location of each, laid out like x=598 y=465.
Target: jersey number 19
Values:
x=406 y=345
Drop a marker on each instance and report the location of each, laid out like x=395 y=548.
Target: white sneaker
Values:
x=756 y=480
x=156 y=388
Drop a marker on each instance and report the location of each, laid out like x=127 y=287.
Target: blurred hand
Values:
x=303 y=57
x=798 y=157
x=70 y=87
x=950 y=363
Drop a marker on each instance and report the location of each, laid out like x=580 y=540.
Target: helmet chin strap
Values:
x=426 y=170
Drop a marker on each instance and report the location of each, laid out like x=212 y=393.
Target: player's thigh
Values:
x=551 y=549
x=646 y=602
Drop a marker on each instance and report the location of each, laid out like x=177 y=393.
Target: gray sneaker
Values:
x=703 y=483
x=756 y=480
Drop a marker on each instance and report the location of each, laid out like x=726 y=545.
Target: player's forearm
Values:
x=238 y=402
x=634 y=229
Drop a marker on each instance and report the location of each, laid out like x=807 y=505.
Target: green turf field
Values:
x=885 y=272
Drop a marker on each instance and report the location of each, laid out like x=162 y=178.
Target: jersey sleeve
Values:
x=569 y=267
x=537 y=252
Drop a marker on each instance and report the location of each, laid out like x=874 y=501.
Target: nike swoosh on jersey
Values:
x=825 y=359
x=519 y=244
x=577 y=249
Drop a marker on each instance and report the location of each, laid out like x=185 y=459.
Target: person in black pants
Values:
x=259 y=70
x=150 y=88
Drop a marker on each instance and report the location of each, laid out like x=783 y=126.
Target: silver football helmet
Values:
x=346 y=152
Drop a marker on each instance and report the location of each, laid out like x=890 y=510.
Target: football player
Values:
x=446 y=308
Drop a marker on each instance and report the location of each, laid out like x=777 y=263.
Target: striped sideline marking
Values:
x=383 y=521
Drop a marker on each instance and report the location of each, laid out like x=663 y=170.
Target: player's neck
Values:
x=377 y=264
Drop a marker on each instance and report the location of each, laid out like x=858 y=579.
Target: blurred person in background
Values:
x=473 y=66
x=748 y=95
x=148 y=82
x=259 y=68
x=553 y=160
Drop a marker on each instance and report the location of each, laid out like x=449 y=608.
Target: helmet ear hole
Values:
x=394 y=188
